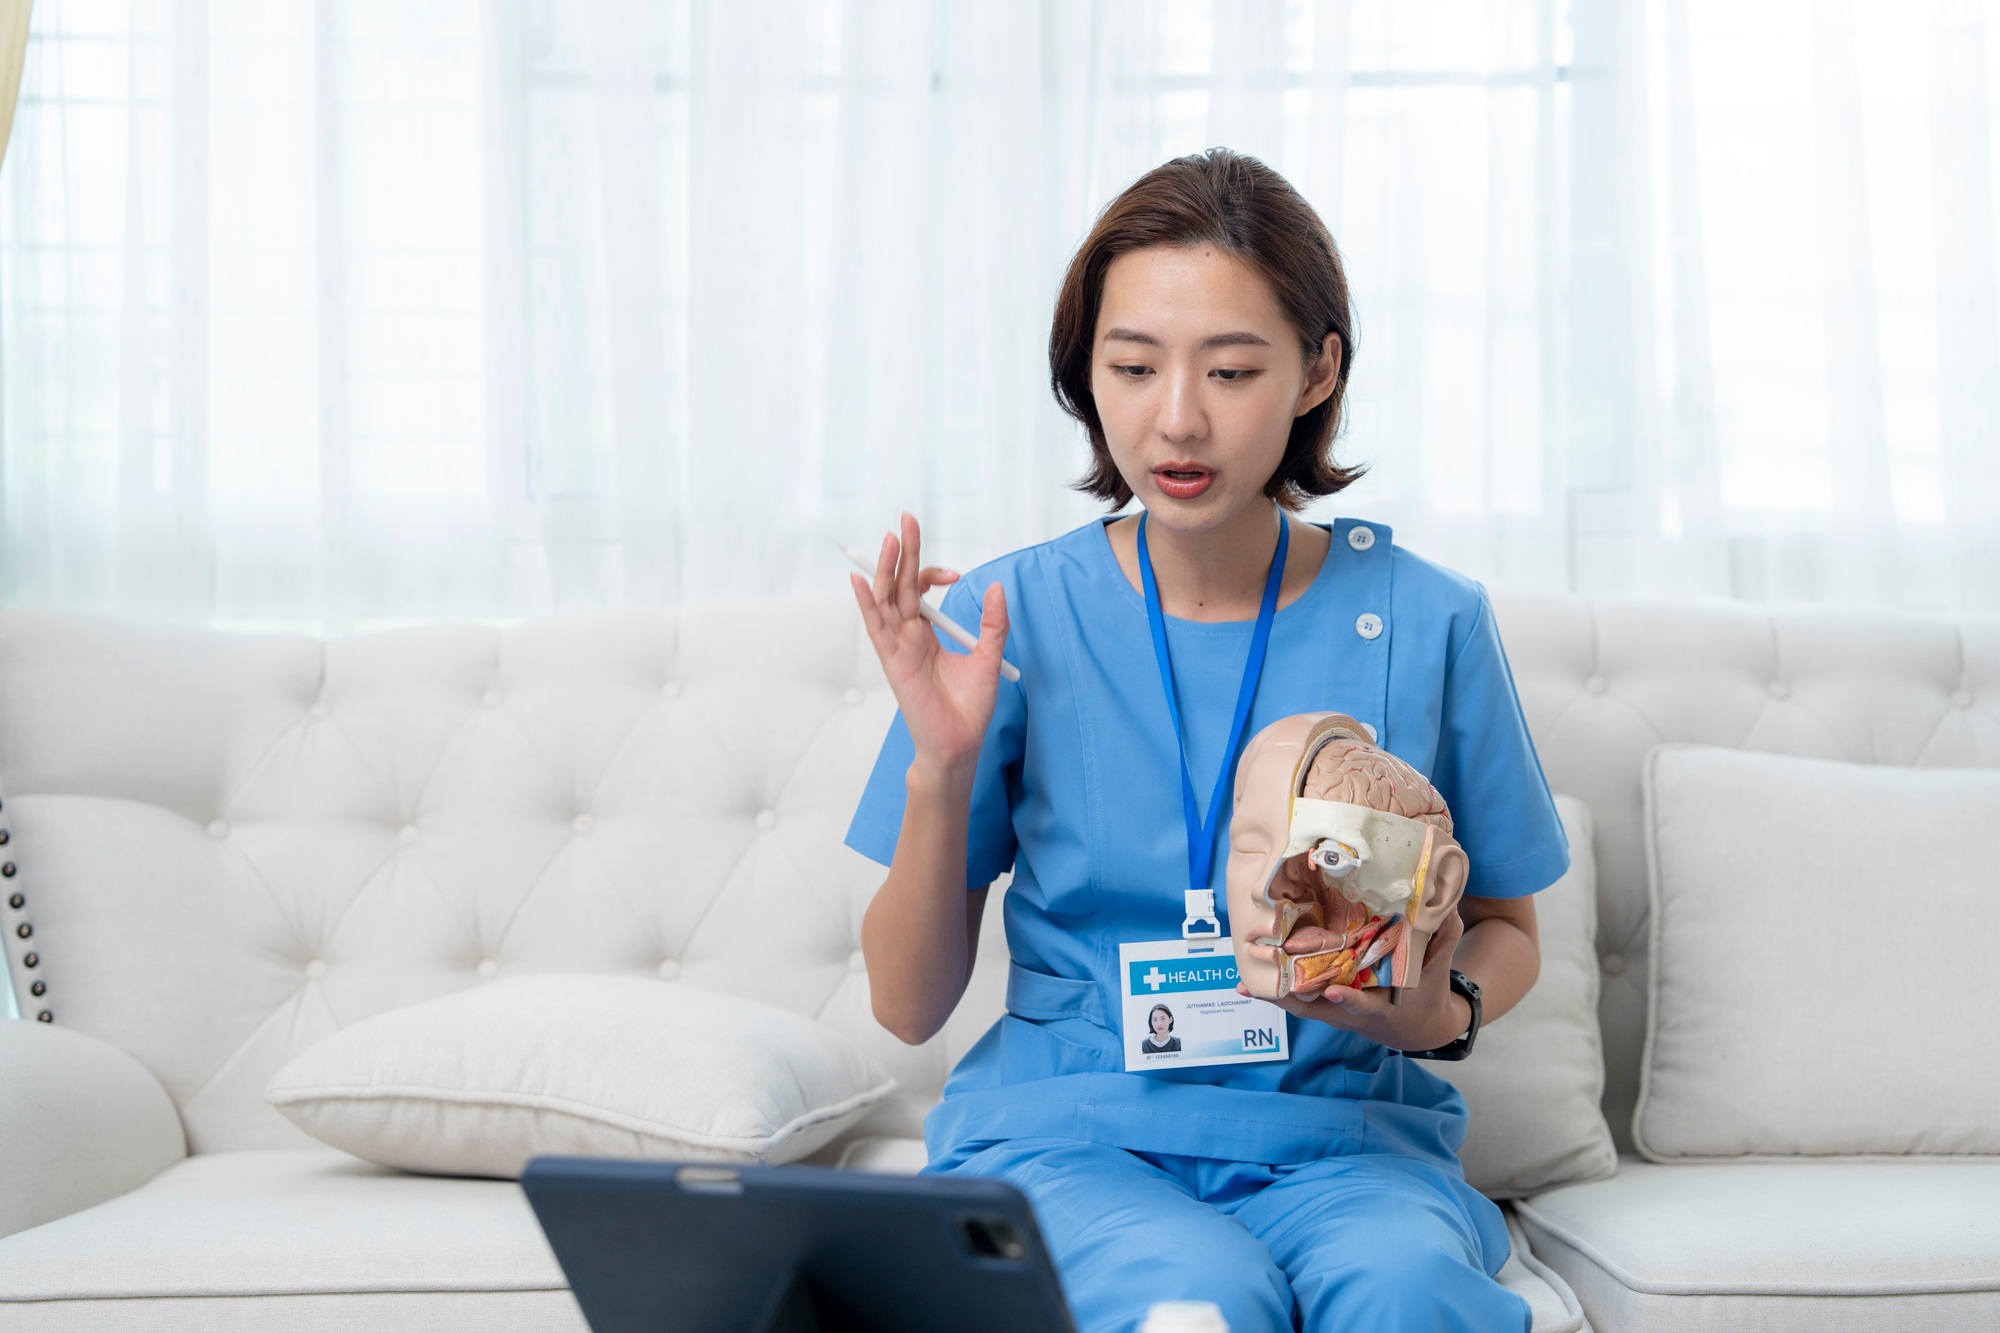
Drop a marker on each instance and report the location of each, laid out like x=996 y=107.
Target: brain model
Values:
x=1341 y=861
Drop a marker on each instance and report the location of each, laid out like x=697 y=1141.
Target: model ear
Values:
x=1443 y=887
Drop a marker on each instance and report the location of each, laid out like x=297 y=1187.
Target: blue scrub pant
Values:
x=1375 y=1242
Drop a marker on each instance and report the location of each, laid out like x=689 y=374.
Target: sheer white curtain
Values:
x=333 y=313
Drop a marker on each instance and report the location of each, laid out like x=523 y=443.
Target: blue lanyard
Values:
x=1200 y=832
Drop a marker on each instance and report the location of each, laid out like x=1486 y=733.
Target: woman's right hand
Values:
x=946 y=698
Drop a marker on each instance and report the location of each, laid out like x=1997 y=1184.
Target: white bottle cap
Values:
x=1185 y=1317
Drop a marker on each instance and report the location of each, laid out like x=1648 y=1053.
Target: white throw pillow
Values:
x=1822 y=958
x=585 y=1064
x=1533 y=1080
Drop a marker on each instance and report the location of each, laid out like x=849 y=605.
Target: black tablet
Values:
x=699 y=1248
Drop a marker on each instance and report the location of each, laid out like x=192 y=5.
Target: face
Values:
x=1198 y=376
x=1160 y=1025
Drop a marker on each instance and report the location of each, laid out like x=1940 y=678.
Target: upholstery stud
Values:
x=31 y=960
x=856 y=963
x=17 y=901
x=1614 y=963
x=1960 y=698
x=670 y=969
x=767 y=819
x=24 y=930
x=1780 y=689
x=670 y=690
x=406 y=834
x=218 y=828
x=490 y=699
x=850 y=696
x=316 y=969
x=583 y=823
x=5 y=837
x=39 y=988
x=7 y=869
x=1596 y=684
x=1368 y=625
x=487 y=968
x=319 y=708
x=45 y=1017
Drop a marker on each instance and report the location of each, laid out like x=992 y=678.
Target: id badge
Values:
x=1181 y=1008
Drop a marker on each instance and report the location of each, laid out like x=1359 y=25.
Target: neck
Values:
x=1214 y=573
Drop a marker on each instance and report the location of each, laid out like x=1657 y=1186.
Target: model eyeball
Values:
x=1335 y=860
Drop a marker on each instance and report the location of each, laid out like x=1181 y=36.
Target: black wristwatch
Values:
x=1461 y=1048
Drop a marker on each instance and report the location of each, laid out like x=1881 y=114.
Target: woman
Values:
x=1160 y=1038
x=1203 y=338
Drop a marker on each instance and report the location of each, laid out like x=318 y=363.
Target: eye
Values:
x=1131 y=372
x=1232 y=376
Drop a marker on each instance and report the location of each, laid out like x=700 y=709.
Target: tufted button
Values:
x=583 y=823
x=24 y=930
x=490 y=699
x=218 y=828
x=1368 y=625
x=856 y=963
x=1614 y=963
x=670 y=690
x=31 y=960
x=670 y=969
x=45 y=1017
x=39 y=988
x=406 y=834
x=1361 y=537
x=4 y=837
x=487 y=968
x=1596 y=684
x=319 y=708
x=7 y=869
x=316 y=969
x=850 y=696
x=1960 y=698
x=16 y=901
x=767 y=819
x=1780 y=689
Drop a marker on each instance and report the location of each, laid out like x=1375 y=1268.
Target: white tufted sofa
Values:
x=229 y=846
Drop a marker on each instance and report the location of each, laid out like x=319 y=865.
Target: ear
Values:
x=1322 y=373
x=1443 y=887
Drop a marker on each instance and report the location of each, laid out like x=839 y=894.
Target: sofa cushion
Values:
x=1533 y=1082
x=286 y=1223
x=578 y=1064
x=1822 y=969
x=1820 y=1247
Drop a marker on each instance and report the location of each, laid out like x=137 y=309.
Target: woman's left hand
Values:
x=1429 y=1016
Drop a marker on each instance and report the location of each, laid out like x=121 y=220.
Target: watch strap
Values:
x=1457 y=1050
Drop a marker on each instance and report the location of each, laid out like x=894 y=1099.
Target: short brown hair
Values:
x=1237 y=204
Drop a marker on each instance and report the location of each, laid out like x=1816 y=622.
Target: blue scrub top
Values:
x=1078 y=791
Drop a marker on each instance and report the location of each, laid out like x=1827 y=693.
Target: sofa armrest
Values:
x=80 y=1122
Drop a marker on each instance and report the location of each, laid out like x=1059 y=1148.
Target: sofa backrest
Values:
x=1604 y=681
x=230 y=845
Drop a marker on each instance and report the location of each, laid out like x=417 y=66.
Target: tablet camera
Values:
x=992 y=1237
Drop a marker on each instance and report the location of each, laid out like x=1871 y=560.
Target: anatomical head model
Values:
x=1341 y=861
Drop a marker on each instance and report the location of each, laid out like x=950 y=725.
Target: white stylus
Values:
x=932 y=614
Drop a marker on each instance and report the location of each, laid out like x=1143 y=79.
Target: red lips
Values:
x=1182 y=480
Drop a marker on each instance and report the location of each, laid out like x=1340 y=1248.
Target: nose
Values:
x=1181 y=418
x=1297 y=882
